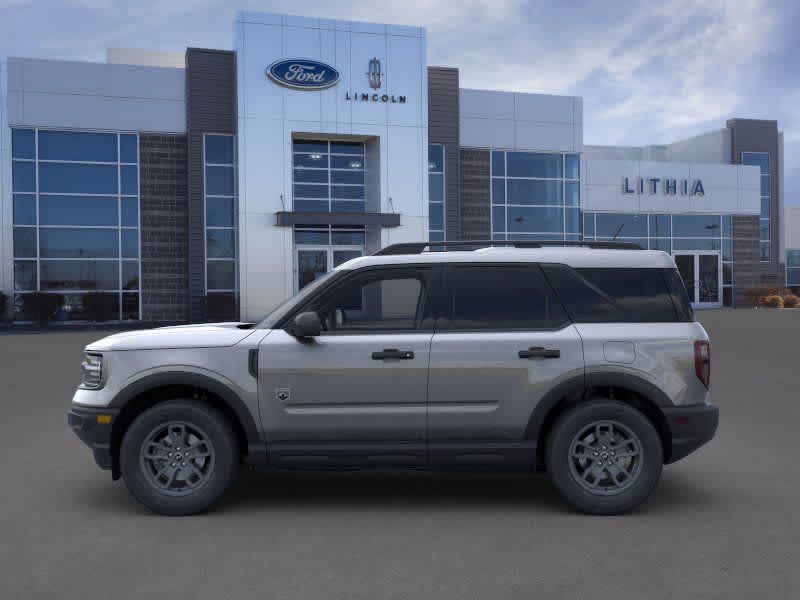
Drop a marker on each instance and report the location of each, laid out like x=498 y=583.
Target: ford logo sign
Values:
x=303 y=74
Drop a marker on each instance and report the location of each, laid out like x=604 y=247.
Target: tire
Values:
x=166 y=433
x=628 y=449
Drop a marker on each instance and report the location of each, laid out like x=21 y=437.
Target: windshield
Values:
x=278 y=312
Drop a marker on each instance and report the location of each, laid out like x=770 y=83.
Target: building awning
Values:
x=287 y=219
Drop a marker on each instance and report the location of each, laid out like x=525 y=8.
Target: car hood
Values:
x=206 y=335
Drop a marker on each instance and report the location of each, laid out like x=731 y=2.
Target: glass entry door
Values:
x=312 y=262
x=702 y=275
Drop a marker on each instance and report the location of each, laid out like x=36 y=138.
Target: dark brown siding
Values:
x=210 y=108
x=164 y=227
x=475 y=200
x=746 y=266
x=443 y=129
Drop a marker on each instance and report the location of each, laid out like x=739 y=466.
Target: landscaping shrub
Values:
x=773 y=301
x=99 y=306
x=41 y=306
x=757 y=295
x=790 y=301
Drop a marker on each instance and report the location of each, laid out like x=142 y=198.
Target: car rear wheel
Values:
x=604 y=457
x=178 y=457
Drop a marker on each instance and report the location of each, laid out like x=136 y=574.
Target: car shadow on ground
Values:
x=276 y=490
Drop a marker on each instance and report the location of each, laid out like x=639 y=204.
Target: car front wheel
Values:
x=178 y=457
x=604 y=457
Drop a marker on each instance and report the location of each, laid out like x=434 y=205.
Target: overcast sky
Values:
x=650 y=72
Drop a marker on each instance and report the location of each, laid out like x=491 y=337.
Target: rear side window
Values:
x=616 y=295
x=496 y=297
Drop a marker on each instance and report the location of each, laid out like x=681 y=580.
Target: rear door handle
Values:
x=539 y=352
x=393 y=353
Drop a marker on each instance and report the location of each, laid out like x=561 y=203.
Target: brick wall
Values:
x=165 y=227
x=748 y=271
x=476 y=219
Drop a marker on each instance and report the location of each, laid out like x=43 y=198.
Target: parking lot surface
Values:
x=723 y=523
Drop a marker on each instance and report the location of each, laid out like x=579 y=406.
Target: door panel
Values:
x=311 y=263
x=685 y=264
x=708 y=275
x=480 y=389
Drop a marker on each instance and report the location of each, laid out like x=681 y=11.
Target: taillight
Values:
x=702 y=361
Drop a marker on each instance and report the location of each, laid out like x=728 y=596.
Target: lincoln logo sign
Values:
x=667 y=186
x=302 y=74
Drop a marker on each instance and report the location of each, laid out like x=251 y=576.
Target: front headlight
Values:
x=92 y=370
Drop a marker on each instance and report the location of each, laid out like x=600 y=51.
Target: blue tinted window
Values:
x=320 y=161
x=572 y=189
x=220 y=243
x=764 y=229
x=130 y=243
x=77 y=179
x=436 y=216
x=588 y=225
x=525 y=219
x=348 y=206
x=529 y=164
x=129 y=180
x=347 y=192
x=498 y=218
x=221 y=274
x=128 y=149
x=313 y=175
x=24 y=209
x=572 y=220
x=727 y=249
x=310 y=191
x=130 y=306
x=435 y=158
x=438 y=236
x=695 y=244
x=765 y=207
x=663 y=244
x=23 y=176
x=130 y=275
x=73 y=145
x=621 y=225
x=80 y=275
x=78 y=243
x=528 y=191
x=498 y=163
x=793 y=258
x=340 y=162
x=765 y=185
x=77 y=210
x=347 y=148
x=23 y=143
x=25 y=242
x=348 y=238
x=660 y=226
x=219 y=181
x=310 y=146
x=24 y=275
x=759 y=159
x=219 y=149
x=357 y=177
x=311 y=205
x=436 y=187
x=219 y=212
x=573 y=166
x=311 y=237
x=726 y=225
x=130 y=212
x=696 y=225
x=498 y=191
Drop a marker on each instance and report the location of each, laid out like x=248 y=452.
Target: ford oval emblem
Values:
x=303 y=74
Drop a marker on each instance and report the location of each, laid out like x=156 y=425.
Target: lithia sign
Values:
x=667 y=186
x=306 y=74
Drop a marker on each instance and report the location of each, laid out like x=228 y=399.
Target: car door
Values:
x=502 y=341
x=358 y=391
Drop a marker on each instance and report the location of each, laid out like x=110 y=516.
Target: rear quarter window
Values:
x=630 y=295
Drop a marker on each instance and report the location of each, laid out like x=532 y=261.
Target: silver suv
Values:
x=581 y=359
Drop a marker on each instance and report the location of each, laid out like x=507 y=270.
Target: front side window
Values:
x=499 y=298
x=375 y=301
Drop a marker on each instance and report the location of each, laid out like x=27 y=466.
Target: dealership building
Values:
x=213 y=184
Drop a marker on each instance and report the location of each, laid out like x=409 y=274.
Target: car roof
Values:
x=578 y=257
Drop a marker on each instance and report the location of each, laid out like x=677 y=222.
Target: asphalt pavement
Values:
x=723 y=523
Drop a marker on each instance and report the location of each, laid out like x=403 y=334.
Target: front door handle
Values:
x=539 y=352
x=393 y=353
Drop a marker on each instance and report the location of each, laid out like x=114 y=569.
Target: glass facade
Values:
x=222 y=280
x=320 y=248
x=436 y=192
x=328 y=176
x=761 y=160
x=673 y=233
x=535 y=196
x=793 y=268
x=76 y=221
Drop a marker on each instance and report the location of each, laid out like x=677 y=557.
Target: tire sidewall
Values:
x=557 y=457
x=221 y=436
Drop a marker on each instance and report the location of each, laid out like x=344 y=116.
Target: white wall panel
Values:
x=540 y=135
x=486 y=104
x=486 y=133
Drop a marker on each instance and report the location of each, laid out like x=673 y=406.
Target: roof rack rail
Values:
x=420 y=247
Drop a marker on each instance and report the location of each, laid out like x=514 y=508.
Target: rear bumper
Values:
x=691 y=426
x=83 y=421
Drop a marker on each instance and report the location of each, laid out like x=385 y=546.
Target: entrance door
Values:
x=702 y=275
x=314 y=261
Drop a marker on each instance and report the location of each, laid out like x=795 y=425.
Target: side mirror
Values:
x=306 y=325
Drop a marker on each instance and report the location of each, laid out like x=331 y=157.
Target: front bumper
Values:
x=94 y=432
x=691 y=426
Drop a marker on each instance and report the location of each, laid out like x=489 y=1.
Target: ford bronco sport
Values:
x=580 y=358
